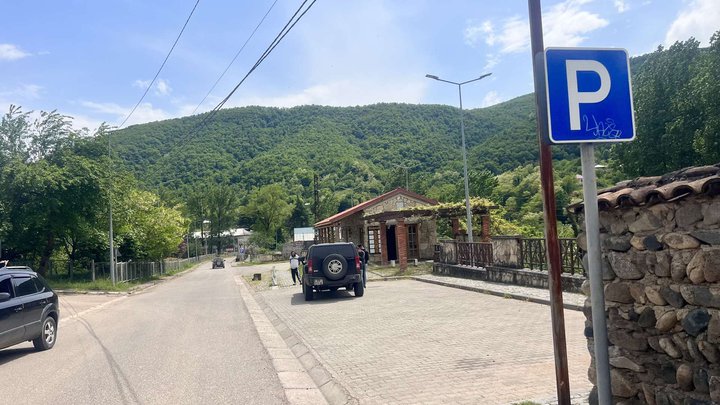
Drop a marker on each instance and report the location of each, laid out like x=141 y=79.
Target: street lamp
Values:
x=462 y=134
x=202 y=233
x=407 y=176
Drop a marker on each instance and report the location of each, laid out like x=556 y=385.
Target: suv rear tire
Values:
x=335 y=267
x=308 y=292
x=359 y=289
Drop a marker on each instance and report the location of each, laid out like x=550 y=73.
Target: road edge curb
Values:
x=299 y=385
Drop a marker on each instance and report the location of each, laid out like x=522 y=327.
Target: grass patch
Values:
x=104 y=284
x=259 y=285
x=386 y=271
x=97 y=285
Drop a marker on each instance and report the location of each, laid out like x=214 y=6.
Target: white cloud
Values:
x=565 y=24
x=485 y=30
x=367 y=59
x=142 y=84
x=117 y=113
x=11 y=52
x=699 y=20
x=344 y=93
x=492 y=61
x=23 y=92
x=621 y=6
x=491 y=98
x=162 y=87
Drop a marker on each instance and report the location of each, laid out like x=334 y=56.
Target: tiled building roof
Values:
x=699 y=180
x=360 y=207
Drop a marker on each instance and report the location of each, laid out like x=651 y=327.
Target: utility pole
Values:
x=111 y=237
x=316 y=196
x=552 y=242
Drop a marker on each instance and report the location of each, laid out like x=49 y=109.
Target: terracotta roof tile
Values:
x=360 y=207
x=673 y=186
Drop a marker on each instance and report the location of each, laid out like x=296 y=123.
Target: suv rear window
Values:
x=345 y=250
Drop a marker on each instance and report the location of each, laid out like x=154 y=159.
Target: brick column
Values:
x=402 y=245
x=383 y=243
x=455 y=228
x=485 y=231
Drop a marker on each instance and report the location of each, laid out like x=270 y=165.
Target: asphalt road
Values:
x=189 y=340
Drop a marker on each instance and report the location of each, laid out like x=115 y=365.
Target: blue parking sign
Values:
x=589 y=95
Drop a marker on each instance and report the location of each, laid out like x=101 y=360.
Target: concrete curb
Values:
x=335 y=393
x=519 y=297
x=299 y=385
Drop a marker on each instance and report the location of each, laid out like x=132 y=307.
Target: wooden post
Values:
x=401 y=241
x=383 y=243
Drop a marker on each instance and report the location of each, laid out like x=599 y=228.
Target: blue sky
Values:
x=90 y=59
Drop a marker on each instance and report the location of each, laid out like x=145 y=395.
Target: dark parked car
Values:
x=329 y=266
x=218 y=263
x=29 y=309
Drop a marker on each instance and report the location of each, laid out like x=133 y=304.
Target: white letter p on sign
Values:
x=575 y=96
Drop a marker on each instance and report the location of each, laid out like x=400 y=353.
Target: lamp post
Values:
x=462 y=134
x=110 y=218
x=202 y=233
x=407 y=176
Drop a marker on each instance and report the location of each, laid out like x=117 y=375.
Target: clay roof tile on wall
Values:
x=700 y=180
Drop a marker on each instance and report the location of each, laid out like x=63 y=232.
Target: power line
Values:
x=161 y=66
x=236 y=56
x=299 y=13
x=285 y=30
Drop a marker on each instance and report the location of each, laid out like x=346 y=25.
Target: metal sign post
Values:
x=597 y=295
x=589 y=99
x=552 y=242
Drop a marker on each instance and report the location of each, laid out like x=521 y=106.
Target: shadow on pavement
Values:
x=8 y=355
x=325 y=297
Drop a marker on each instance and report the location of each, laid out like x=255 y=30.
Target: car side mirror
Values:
x=4 y=297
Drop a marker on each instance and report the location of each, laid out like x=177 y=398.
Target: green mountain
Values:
x=348 y=147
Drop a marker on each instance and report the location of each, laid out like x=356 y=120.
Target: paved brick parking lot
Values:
x=413 y=342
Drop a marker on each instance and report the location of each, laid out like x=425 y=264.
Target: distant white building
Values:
x=303 y=234
x=240 y=235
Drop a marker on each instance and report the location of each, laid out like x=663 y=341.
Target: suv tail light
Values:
x=309 y=266
x=357 y=264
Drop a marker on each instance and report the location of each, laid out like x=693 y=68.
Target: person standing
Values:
x=294 y=260
x=364 y=258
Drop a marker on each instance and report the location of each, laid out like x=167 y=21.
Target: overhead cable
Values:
x=236 y=56
x=161 y=66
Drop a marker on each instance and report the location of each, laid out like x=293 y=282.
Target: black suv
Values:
x=218 y=263
x=29 y=309
x=329 y=266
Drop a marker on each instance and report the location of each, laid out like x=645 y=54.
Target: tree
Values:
x=153 y=230
x=705 y=90
x=48 y=202
x=667 y=115
x=300 y=216
x=269 y=209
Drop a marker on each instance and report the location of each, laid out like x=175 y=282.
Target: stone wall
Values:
x=427 y=235
x=521 y=277
x=661 y=272
x=507 y=251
